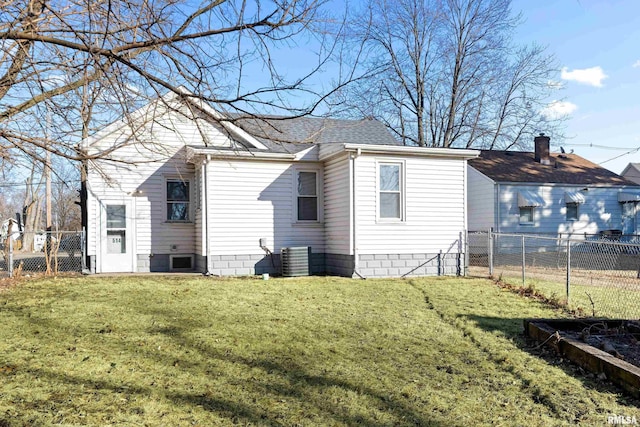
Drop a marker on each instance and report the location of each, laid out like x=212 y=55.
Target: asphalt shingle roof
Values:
x=281 y=134
x=518 y=166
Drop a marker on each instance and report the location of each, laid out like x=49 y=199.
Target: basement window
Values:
x=181 y=262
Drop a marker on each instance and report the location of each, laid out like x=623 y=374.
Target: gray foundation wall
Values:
x=244 y=265
x=200 y=263
x=379 y=265
x=406 y=265
x=339 y=265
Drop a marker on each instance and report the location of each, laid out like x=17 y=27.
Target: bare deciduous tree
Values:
x=453 y=77
x=72 y=66
x=65 y=198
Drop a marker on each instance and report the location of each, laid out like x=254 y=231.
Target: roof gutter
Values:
x=212 y=153
x=403 y=150
x=560 y=184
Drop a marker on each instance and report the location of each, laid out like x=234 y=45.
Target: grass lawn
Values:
x=313 y=351
x=605 y=298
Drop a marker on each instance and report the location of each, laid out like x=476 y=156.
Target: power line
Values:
x=604 y=147
x=21 y=184
x=635 y=150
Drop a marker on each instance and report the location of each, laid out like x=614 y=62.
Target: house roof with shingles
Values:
x=292 y=135
x=521 y=167
x=632 y=172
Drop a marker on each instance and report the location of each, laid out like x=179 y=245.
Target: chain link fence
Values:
x=597 y=275
x=43 y=252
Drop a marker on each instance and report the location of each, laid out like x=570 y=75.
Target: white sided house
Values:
x=191 y=192
x=549 y=193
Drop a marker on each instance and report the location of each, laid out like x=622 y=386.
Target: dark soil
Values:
x=621 y=339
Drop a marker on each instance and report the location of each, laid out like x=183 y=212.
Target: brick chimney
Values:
x=541 y=143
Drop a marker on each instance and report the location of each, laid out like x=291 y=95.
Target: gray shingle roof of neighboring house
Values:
x=517 y=166
x=632 y=172
x=291 y=135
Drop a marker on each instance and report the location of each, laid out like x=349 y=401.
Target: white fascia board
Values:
x=463 y=154
x=193 y=153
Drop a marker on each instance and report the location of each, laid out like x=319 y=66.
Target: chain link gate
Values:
x=42 y=252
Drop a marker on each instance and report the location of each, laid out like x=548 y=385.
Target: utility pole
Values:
x=47 y=173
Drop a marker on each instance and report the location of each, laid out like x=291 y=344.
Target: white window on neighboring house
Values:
x=572 y=211
x=390 y=187
x=307 y=195
x=178 y=200
x=526 y=215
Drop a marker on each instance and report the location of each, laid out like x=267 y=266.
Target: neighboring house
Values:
x=632 y=172
x=548 y=193
x=16 y=233
x=4 y=229
x=189 y=192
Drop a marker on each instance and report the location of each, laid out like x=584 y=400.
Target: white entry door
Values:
x=116 y=237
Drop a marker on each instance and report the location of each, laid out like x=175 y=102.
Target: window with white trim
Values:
x=390 y=191
x=307 y=195
x=572 y=211
x=526 y=215
x=178 y=200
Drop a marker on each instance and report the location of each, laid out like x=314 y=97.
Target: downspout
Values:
x=354 y=221
x=496 y=227
x=205 y=215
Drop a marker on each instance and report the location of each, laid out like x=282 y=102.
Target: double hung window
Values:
x=178 y=201
x=390 y=191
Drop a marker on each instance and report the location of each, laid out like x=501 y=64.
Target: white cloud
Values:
x=558 y=109
x=636 y=64
x=589 y=76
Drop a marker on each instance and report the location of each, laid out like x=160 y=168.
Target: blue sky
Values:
x=596 y=44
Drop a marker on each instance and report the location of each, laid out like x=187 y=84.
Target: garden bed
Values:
x=602 y=346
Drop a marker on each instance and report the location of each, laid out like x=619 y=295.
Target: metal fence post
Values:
x=465 y=270
x=490 y=251
x=10 y=261
x=83 y=250
x=568 y=268
x=524 y=261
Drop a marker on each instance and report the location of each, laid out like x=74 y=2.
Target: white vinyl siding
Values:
x=435 y=213
x=481 y=201
x=158 y=155
x=250 y=200
x=337 y=206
